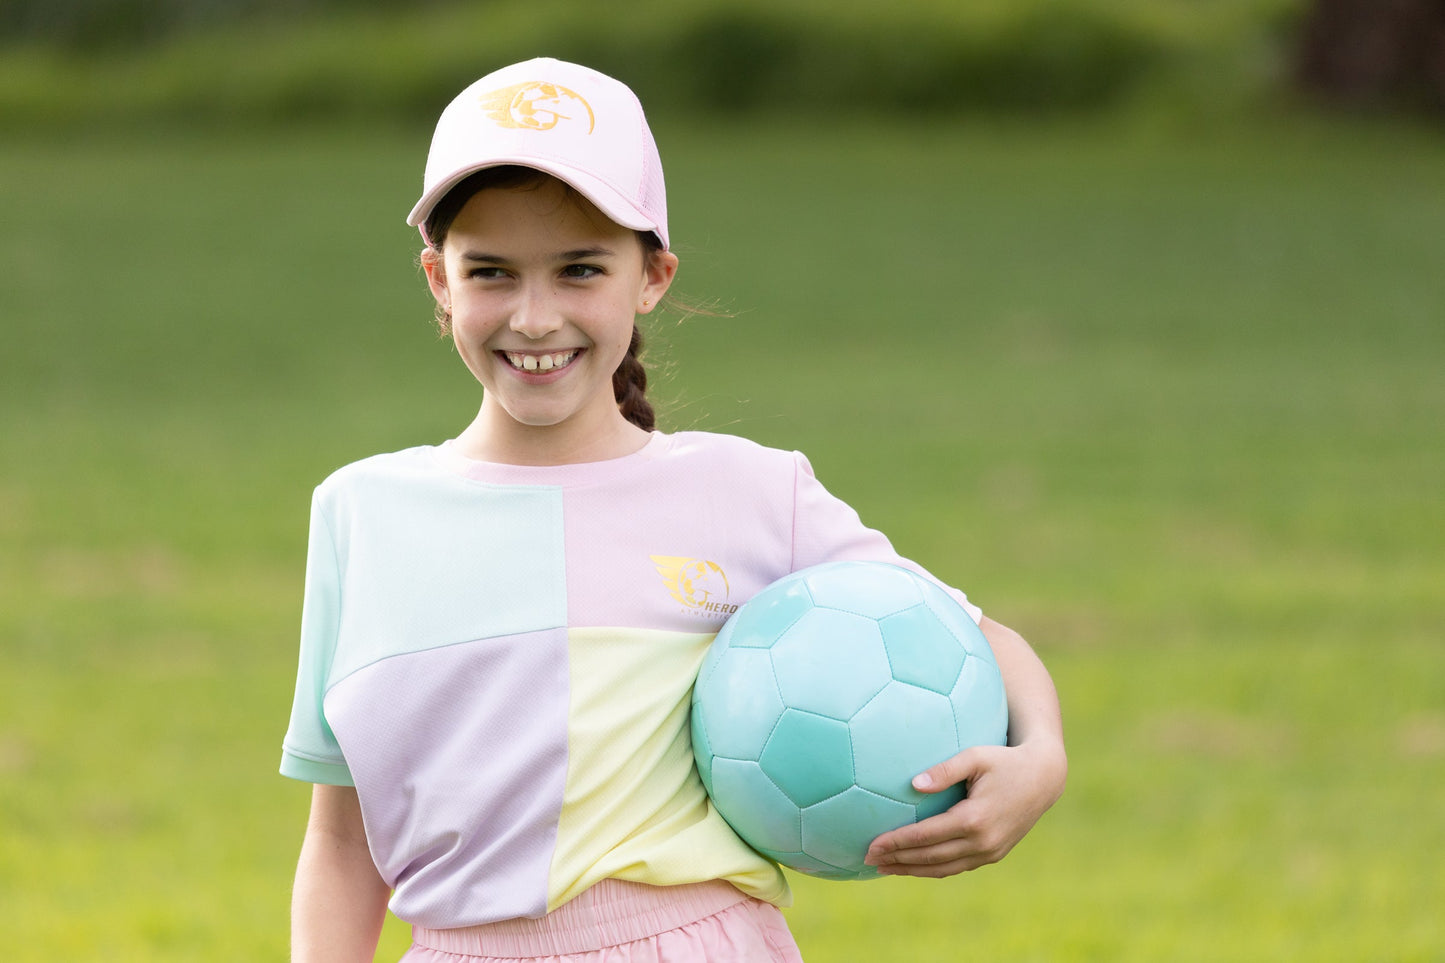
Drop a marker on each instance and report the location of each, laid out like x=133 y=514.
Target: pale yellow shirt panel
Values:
x=634 y=806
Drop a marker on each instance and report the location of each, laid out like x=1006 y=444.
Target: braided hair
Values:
x=629 y=385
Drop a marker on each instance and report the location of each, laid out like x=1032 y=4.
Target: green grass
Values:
x=1167 y=403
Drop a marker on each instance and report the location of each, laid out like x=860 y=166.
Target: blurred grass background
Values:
x=1079 y=301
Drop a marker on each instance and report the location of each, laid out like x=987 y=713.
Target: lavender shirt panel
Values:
x=460 y=759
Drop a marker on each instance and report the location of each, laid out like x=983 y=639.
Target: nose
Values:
x=535 y=314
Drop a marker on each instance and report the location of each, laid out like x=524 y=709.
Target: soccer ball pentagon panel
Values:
x=824 y=695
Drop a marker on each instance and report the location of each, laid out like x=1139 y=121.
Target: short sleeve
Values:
x=827 y=529
x=310 y=752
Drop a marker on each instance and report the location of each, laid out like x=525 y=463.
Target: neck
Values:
x=495 y=437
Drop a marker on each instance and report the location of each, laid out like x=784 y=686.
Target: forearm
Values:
x=339 y=900
x=1035 y=720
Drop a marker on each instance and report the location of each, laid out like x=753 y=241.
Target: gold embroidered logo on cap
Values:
x=701 y=586
x=537 y=106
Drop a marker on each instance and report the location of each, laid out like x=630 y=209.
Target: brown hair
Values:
x=629 y=381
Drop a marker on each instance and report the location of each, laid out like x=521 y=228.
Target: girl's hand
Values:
x=1009 y=788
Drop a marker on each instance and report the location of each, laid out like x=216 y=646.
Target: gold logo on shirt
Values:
x=699 y=585
x=537 y=106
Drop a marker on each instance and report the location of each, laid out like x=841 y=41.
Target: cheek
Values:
x=472 y=319
x=618 y=334
x=470 y=333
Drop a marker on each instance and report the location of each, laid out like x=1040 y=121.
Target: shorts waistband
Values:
x=610 y=913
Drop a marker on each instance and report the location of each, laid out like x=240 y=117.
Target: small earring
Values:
x=646 y=303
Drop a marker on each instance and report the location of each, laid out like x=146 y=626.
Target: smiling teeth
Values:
x=539 y=362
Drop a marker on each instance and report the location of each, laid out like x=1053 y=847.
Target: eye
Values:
x=578 y=272
x=486 y=273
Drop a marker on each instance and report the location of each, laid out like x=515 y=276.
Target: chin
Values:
x=538 y=419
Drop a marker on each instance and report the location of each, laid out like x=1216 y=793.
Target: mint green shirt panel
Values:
x=404 y=559
x=310 y=752
x=431 y=560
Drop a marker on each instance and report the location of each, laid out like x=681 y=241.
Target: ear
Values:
x=657 y=274
x=436 y=276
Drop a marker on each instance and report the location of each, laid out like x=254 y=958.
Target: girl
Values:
x=497 y=649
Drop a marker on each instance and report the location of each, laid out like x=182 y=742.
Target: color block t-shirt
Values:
x=500 y=659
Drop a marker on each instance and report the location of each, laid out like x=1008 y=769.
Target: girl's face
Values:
x=543 y=292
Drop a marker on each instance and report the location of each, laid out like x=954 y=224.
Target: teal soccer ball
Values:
x=824 y=695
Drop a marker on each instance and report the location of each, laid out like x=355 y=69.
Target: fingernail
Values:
x=922 y=781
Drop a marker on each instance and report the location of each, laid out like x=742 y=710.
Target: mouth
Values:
x=539 y=362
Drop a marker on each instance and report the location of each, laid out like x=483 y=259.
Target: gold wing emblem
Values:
x=670 y=568
x=693 y=582
x=536 y=106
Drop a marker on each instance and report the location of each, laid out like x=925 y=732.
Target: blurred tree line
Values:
x=1363 y=54
x=94 y=25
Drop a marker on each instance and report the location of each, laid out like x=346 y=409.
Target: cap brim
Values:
x=603 y=196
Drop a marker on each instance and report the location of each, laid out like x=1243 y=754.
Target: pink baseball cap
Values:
x=580 y=126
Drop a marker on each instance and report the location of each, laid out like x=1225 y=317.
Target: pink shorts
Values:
x=621 y=922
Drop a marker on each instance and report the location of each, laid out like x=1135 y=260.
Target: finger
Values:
x=959 y=768
x=939 y=861
x=956 y=825
x=945 y=858
x=935 y=870
x=937 y=854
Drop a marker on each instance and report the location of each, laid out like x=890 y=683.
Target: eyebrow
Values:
x=581 y=254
